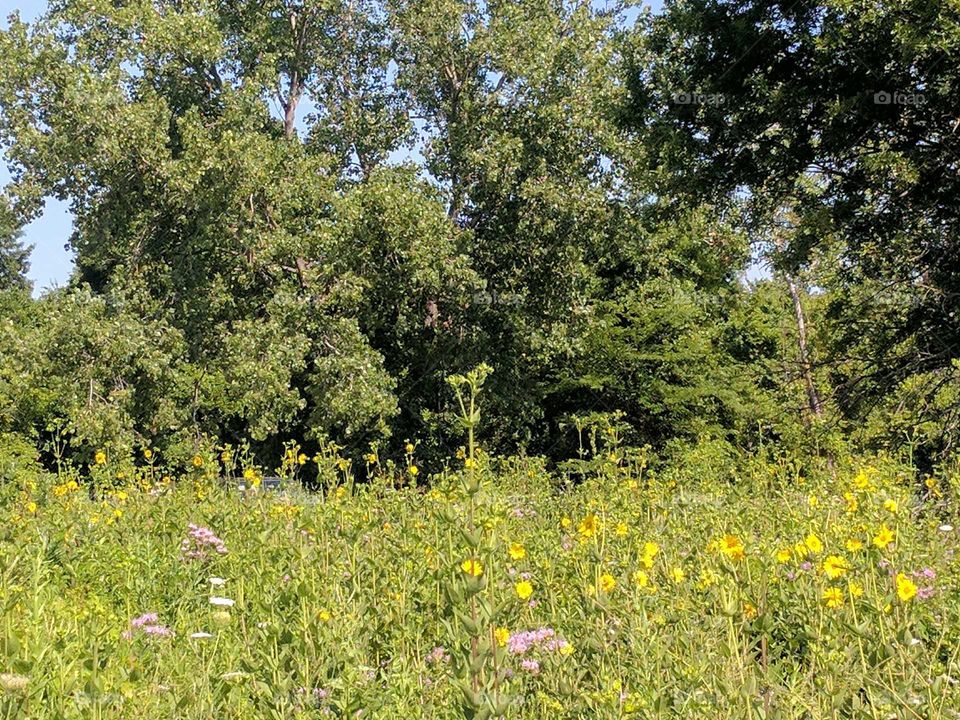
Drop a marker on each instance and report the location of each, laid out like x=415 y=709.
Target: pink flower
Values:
x=148 y=624
x=199 y=541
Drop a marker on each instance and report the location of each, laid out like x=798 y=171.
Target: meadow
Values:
x=495 y=590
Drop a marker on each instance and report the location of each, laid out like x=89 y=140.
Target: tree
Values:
x=14 y=255
x=846 y=113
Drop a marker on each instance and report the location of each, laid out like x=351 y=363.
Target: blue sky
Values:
x=51 y=261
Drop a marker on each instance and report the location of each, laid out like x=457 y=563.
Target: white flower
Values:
x=13 y=683
x=217 y=582
x=222 y=601
x=201 y=635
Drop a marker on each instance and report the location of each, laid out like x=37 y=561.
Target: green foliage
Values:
x=649 y=594
x=844 y=113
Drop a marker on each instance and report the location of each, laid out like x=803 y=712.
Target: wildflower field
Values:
x=496 y=591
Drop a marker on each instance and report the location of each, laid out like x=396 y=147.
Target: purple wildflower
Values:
x=531 y=666
x=199 y=541
x=437 y=655
x=545 y=638
x=148 y=624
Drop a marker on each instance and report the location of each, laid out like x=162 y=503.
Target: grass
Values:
x=627 y=595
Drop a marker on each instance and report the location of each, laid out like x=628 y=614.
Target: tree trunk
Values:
x=813 y=397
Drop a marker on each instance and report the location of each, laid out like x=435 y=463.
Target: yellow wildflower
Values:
x=835 y=566
x=472 y=567
x=524 y=590
x=852 y=502
x=517 y=551
x=732 y=547
x=833 y=598
x=813 y=544
x=588 y=526
x=501 y=635
x=100 y=457
x=884 y=537
x=906 y=588
x=650 y=550
x=854 y=545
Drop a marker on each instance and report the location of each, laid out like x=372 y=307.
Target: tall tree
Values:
x=848 y=113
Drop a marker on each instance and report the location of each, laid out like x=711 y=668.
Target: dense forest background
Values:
x=295 y=219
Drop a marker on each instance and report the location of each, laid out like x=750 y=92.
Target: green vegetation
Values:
x=699 y=268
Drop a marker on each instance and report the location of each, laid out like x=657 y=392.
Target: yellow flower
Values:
x=906 y=588
x=501 y=635
x=324 y=616
x=566 y=649
x=31 y=507
x=409 y=448
x=833 y=598
x=524 y=590
x=100 y=457
x=813 y=501
x=854 y=545
x=884 y=537
x=302 y=459
x=371 y=459
x=783 y=555
x=861 y=480
x=852 y=502
x=197 y=461
x=641 y=578
x=650 y=550
x=677 y=575
x=855 y=589
x=622 y=530
x=707 y=578
x=565 y=522
x=749 y=610
x=588 y=526
x=472 y=567
x=148 y=453
x=517 y=551
x=813 y=544
x=835 y=566
x=732 y=547
x=891 y=505
x=607 y=582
